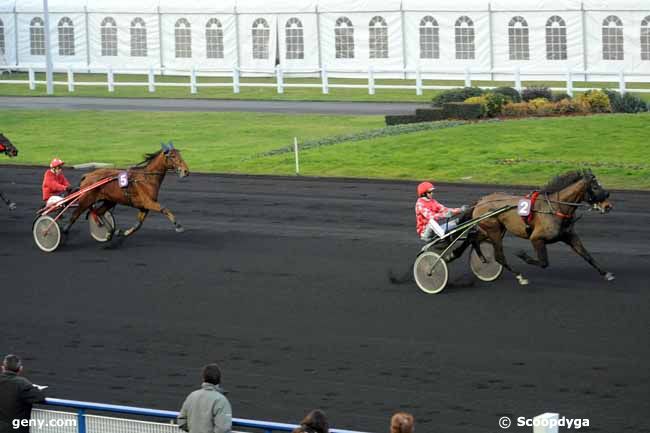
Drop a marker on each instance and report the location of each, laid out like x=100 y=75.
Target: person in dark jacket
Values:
x=17 y=395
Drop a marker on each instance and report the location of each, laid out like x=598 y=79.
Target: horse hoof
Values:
x=609 y=276
x=180 y=229
x=522 y=281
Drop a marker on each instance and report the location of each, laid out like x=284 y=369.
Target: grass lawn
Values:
x=210 y=141
x=616 y=146
x=262 y=93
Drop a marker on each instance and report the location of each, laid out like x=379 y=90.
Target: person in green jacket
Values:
x=207 y=410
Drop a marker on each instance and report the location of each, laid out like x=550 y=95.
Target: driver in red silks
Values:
x=432 y=218
x=55 y=185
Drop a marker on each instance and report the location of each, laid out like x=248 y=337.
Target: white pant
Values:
x=54 y=199
x=440 y=230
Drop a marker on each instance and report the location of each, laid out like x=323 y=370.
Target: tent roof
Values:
x=54 y=6
x=129 y=6
x=196 y=6
x=7 y=5
x=270 y=6
x=356 y=5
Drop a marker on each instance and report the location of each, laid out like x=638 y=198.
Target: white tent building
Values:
x=492 y=39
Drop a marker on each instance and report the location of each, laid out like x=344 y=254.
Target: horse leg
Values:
x=141 y=216
x=572 y=240
x=156 y=207
x=542 y=255
x=10 y=204
x=84 y=204
x=497 y=240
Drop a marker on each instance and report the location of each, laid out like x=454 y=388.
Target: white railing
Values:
x=323 y=82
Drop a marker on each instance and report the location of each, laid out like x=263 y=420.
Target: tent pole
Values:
x=584 y=40
x=16 y=34
x=401 y=9
x=318 y=41
x=160 y=43
x=48 y=46
x=87 y=39
x=491 y=42
x=237 y=38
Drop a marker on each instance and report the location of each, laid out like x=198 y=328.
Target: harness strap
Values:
x=533 y=198
x=2 y=147
x=562 y=215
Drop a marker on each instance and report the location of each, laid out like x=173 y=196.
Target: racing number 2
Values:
x=523 y=208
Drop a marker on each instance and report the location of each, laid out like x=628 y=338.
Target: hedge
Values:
x=429 y=114
x=461 y=110
x=401 y=119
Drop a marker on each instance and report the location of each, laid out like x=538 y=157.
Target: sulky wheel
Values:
x=47 y=233
x=488 y=270
x=430 y=272
x=101 y=227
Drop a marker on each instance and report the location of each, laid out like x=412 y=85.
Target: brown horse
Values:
x=553 y=219
x=7 y=147
x=144 y=181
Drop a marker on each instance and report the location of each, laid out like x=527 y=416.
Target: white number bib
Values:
x=523 y=208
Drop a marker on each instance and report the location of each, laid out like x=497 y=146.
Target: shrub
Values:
x=495 y=103
x=597 y=101
x=429 y=114
x=569 y=106
x=627 y=103
x=510 y=93
x=456 y=95
x=557 y=97
x=462 y=110
x=517 y=109
x=541 y=107
x=531 y=93
x=401 y=119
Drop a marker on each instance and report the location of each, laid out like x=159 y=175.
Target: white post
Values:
x=152 y=83
x=371 y=80
x=110 y=78
x=70 y=80
x=193 y=81
x=295 y=150
x=279 y=79
x=569 y=83
x=518 y=80
x=546 y=423
x=32 y=81
x=49 y=74
x=621 y=83
x=468 y=77
x=235 y=80
x=418 y=82
x=324 y=80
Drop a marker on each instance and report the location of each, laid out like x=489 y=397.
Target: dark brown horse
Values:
x=7 y=147
x=144 y=181
x=553 y=219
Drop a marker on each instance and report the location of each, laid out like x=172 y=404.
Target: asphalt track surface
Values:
x=206 y=105
x=285 y=282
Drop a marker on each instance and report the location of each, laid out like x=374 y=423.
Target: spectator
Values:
x=207 y=410
x=314 y=422
x=17 y=395
x=402 y=422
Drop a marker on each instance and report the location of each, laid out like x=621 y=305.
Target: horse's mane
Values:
x=563 y=180
x=148 y=157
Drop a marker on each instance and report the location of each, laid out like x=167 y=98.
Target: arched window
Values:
x=556 y=39
x=66 y=37
x=294 y=39
x=2 y=38
x=429 y=38
x=138 y=38
x=344 y=38
x=109 y=37
x=261 y=36
x=36 y=37
x=214 y=39
x=645 y=38
x=464 y=38
x=518 y=39
x=378 y=38
x=183 y=39
x=612 y=38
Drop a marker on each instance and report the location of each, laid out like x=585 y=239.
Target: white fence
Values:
x=235 y=75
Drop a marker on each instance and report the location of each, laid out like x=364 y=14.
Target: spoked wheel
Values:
x=47 y=233
x=488 y=270
x=430 y=272
x=101 y=227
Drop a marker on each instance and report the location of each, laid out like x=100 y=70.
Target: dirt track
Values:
x=285 y=282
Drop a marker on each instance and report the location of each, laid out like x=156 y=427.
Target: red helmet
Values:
x=56 y=162
x=425 y=187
